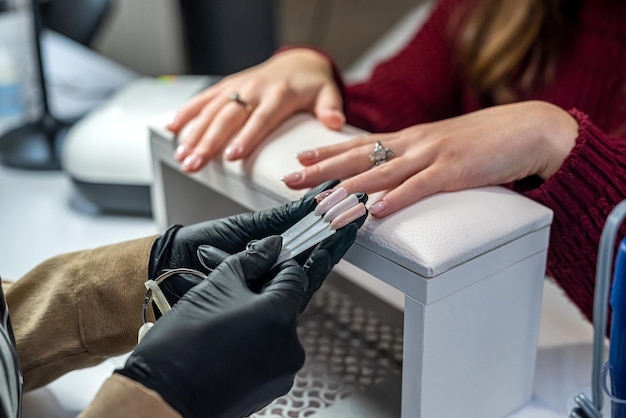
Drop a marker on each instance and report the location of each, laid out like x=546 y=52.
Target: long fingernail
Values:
x=181 y=151
x=330 y=201
x=350 y=215
x=306 y=155
x=293 y=178
x=378 y=207
x=233 y=152
x=191 y=163
x=174 y=122
x=323 y=195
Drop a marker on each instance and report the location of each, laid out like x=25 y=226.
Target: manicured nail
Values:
x=306 y=155
x=173 y=123
x=191 y=163
x=330 y=201
x=181 y=151
x=323 y=195
x=350 y=215
x=378 y=207
x=233 y=152
x=293 y=177
x=334 y=116
x=341 y=207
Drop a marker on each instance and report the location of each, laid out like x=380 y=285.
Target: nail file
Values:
x=322 y=224
x=310 y=219
x=314 y=240
x=314 y=237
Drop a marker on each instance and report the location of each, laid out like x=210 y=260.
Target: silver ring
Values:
x=381 y=154
x=234 y=97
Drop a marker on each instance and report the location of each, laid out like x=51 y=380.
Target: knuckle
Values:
x=354 y=154
x=281 y=89
x=313 y=172
x=385 y=170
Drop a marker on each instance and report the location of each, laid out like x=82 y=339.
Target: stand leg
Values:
x=34 y=146
x=412 y=358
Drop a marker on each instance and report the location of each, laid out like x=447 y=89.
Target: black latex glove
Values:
x=223 y=350
x=179 y=246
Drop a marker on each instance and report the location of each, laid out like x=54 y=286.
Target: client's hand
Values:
x=206 y=244
x=492 y=146
x=292 y=81
x=223 y=350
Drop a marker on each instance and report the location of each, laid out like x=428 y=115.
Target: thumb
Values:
x=251 y=265
x=328 y=107
x=210 y=256
x=289 y=286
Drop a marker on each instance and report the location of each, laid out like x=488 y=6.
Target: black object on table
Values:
x=37 y=144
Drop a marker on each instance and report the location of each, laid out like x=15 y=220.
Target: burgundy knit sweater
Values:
x=420 y=84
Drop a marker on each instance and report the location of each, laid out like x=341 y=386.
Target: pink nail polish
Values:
x=306 y=155
x=323 y=195
x=341 y=207
x=232 y=152
x=191 y=163
x=378 y=207
x=330 y=201
x=352 y=214
x=293 y=178
x=181 y=151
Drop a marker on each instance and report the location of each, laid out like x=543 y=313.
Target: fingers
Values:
x=262 y=120
x=235 y=126
x=407 y=176
x=277 y=220
x=289 y=286
x=232 y=234
x=356 y=165
x=251 y=265
x=188 y=111
x=251 y=268
x=326 y=256
x=219 y=121
x=424 y=183
x=328 y=107
x=210 y=256
x=340 y=161
x=310 y=157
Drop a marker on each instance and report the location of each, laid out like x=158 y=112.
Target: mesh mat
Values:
x=349 y=348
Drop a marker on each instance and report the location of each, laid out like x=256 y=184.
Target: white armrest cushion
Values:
x=428 y=237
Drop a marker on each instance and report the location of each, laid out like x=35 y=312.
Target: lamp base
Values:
x=34 y=146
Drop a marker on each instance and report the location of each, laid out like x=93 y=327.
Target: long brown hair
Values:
x=506 y=47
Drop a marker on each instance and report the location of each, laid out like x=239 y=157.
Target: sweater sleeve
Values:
x=417 y=85
x=78 y=309
x=589 y=184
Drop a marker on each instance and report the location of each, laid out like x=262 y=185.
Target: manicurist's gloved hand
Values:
x=224 y=350
x=206 y=244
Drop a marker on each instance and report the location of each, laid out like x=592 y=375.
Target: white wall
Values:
x=144 y=35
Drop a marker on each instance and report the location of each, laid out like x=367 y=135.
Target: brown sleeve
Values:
x=122 y=397
x=76 y=310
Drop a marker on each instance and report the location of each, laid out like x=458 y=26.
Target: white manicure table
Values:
x=470 y=265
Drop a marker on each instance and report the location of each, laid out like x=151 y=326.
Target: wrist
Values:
x=559 y=134
x=161 y=251
x=306 y=52
x=121 y=397
x=311 y=57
